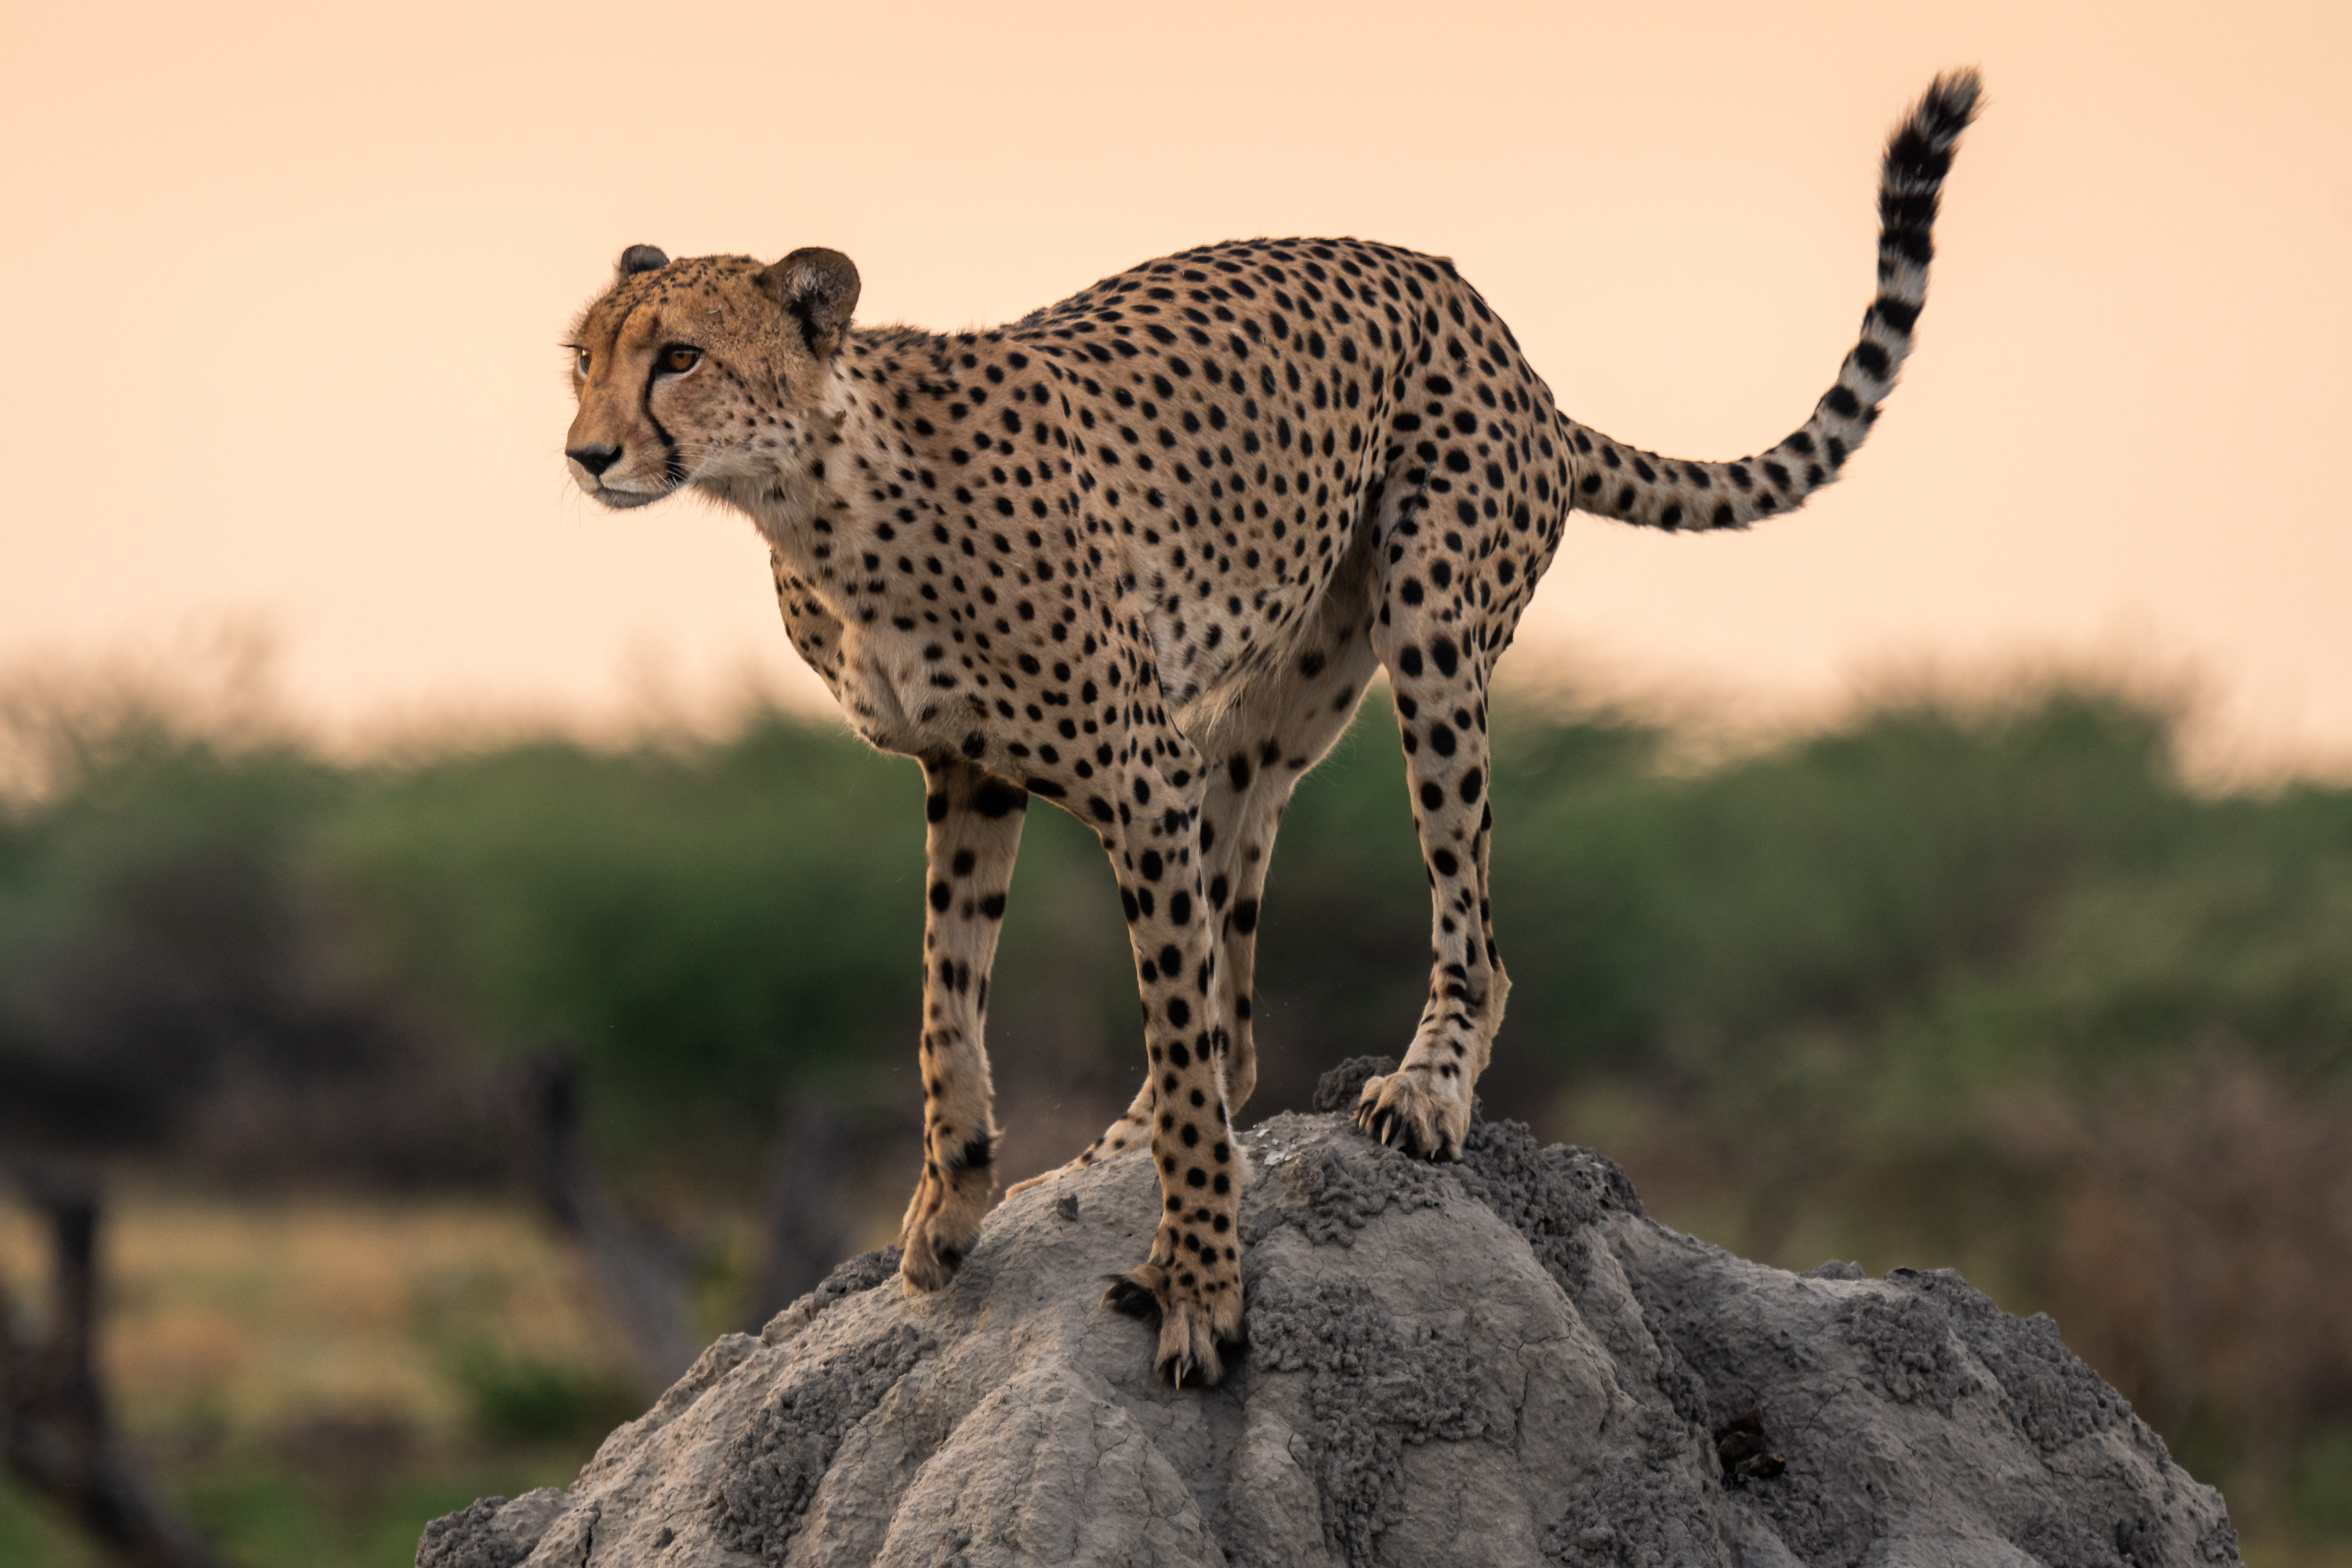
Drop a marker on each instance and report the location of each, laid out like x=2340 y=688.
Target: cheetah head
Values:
x=707 y=370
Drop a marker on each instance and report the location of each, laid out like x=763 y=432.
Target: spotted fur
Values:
x=1140 y=554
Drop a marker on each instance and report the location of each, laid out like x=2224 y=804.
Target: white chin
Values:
x=623 y=501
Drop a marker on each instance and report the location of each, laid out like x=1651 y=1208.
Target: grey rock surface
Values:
x=1503 y=1360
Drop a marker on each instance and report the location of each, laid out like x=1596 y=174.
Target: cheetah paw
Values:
x=929 y=1261
x=1056 y=1174
x=1406 y=1110
x=938 y=1235
x=1197 y=1330
x=1131 y=1130
x=1039 y=1180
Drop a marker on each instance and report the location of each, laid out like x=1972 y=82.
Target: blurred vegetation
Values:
x=1984 y=985
x=313 y=1377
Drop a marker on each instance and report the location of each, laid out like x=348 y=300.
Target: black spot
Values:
x=994 y=799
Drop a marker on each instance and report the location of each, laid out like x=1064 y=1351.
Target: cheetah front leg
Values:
x=1256 y=754
x=1438 y=671
x=974 y=835
x=1190 y=1284
x=1241 y=808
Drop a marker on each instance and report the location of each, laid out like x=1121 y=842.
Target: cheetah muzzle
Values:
x=1140 y=555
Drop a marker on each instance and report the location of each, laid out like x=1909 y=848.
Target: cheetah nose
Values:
x=595 y=459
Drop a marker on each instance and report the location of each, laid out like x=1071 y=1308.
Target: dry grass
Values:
x=249 y=1318
x=2203 y=1260
x=313 y=1379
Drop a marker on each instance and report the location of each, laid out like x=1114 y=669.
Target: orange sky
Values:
x=284 y=285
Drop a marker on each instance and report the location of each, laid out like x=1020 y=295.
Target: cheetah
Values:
x=1140 y=555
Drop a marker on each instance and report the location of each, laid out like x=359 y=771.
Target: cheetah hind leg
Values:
x=1131 y=1130
x=1408 y=1109
x=1424 y=1106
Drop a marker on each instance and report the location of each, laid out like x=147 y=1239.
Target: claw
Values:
x=1409 y=1114
x=1192 y=1333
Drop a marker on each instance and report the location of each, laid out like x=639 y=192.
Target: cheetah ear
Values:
x=819 y=289
x=639 y=258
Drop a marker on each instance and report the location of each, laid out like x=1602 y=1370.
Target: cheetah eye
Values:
x=678 y=359
x=580 y=364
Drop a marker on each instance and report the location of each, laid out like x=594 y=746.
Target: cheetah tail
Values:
x=1637 y=487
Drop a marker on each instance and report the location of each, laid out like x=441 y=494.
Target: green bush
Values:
x=524 y=1399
